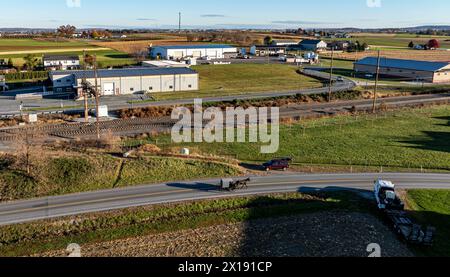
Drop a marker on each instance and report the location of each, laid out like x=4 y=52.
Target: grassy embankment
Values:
x=73 y=173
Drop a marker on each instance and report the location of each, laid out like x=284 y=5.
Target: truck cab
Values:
x=386 y=197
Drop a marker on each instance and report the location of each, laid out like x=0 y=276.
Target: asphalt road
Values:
x=52 y=207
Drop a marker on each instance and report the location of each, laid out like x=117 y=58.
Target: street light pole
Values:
x=375 y=93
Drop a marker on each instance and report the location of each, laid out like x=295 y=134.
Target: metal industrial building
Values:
x=127 y=81
x=423 y=71
x=178 y=52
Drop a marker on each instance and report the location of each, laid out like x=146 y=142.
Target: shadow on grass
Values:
x=435 y=141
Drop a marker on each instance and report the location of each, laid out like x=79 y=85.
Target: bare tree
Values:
x=66 y=30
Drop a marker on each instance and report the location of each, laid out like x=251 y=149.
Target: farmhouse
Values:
x=432 y=72
x=127 y=81
x=179 y=52
x=52 y=62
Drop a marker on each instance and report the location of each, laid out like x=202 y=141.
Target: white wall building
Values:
x=127 y=81
x=178 y=52
x=61 y=62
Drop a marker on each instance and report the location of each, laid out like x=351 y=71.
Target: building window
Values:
x=68 y=80
x=58 y=81
x=150 y=88
x=171 y=87
x=189 y=86
x=131 y=89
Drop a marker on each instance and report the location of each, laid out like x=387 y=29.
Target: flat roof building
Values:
x=179 y=52
x=127 y=81
x=408 y=70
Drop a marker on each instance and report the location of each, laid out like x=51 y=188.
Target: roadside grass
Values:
x=407 y=138
x=73 y=173
x=43 y=236
x=432 y=207
x=233 y=79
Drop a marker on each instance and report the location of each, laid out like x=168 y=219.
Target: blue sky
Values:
x=227 y=14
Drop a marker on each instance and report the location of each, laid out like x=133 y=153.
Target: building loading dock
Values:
x=407 y=70
x=127 y=81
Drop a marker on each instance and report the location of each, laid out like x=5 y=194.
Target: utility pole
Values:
x=330 y=89
x=375 y=92
x=179 y=22
x=97 y=100
x=84 y=89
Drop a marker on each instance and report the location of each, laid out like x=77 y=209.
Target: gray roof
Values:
x=128 y=72
x=403 y=64
x=205 y=46
x=60 y=58
x=311 y=41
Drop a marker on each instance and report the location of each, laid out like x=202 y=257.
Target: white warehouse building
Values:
x=177 y=52
x=127 y=81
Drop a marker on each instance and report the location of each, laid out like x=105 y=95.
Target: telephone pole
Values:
x=330 y=89
x=97 y=100
x=375 y=92
x=179 y=22
x=84 y=89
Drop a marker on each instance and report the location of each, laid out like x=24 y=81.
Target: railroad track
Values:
x=135 y=126
x=74 y=130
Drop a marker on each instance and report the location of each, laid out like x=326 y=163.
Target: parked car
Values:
x=340 y=79
x=278 y=164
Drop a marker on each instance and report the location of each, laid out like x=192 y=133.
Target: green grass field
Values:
x=432 y=208
x=7 y=44
x=399 y=40
x=17 y=49
x=235 y=79
x=409 y=139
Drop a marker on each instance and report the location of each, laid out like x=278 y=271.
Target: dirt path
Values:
x=311 y=235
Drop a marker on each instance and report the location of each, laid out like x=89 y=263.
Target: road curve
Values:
x=106 y=200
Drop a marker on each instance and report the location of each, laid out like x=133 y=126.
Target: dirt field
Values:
x=309 y=235
x=139 y=45
x=437 y=55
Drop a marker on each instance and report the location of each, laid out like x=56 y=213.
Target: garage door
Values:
x=178 y=54
x=108 y=89
x=197 y=54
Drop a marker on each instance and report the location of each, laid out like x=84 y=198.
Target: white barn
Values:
x=178 y=52
x=127 y=81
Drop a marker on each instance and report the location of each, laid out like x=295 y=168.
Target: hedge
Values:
x=26 y=75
